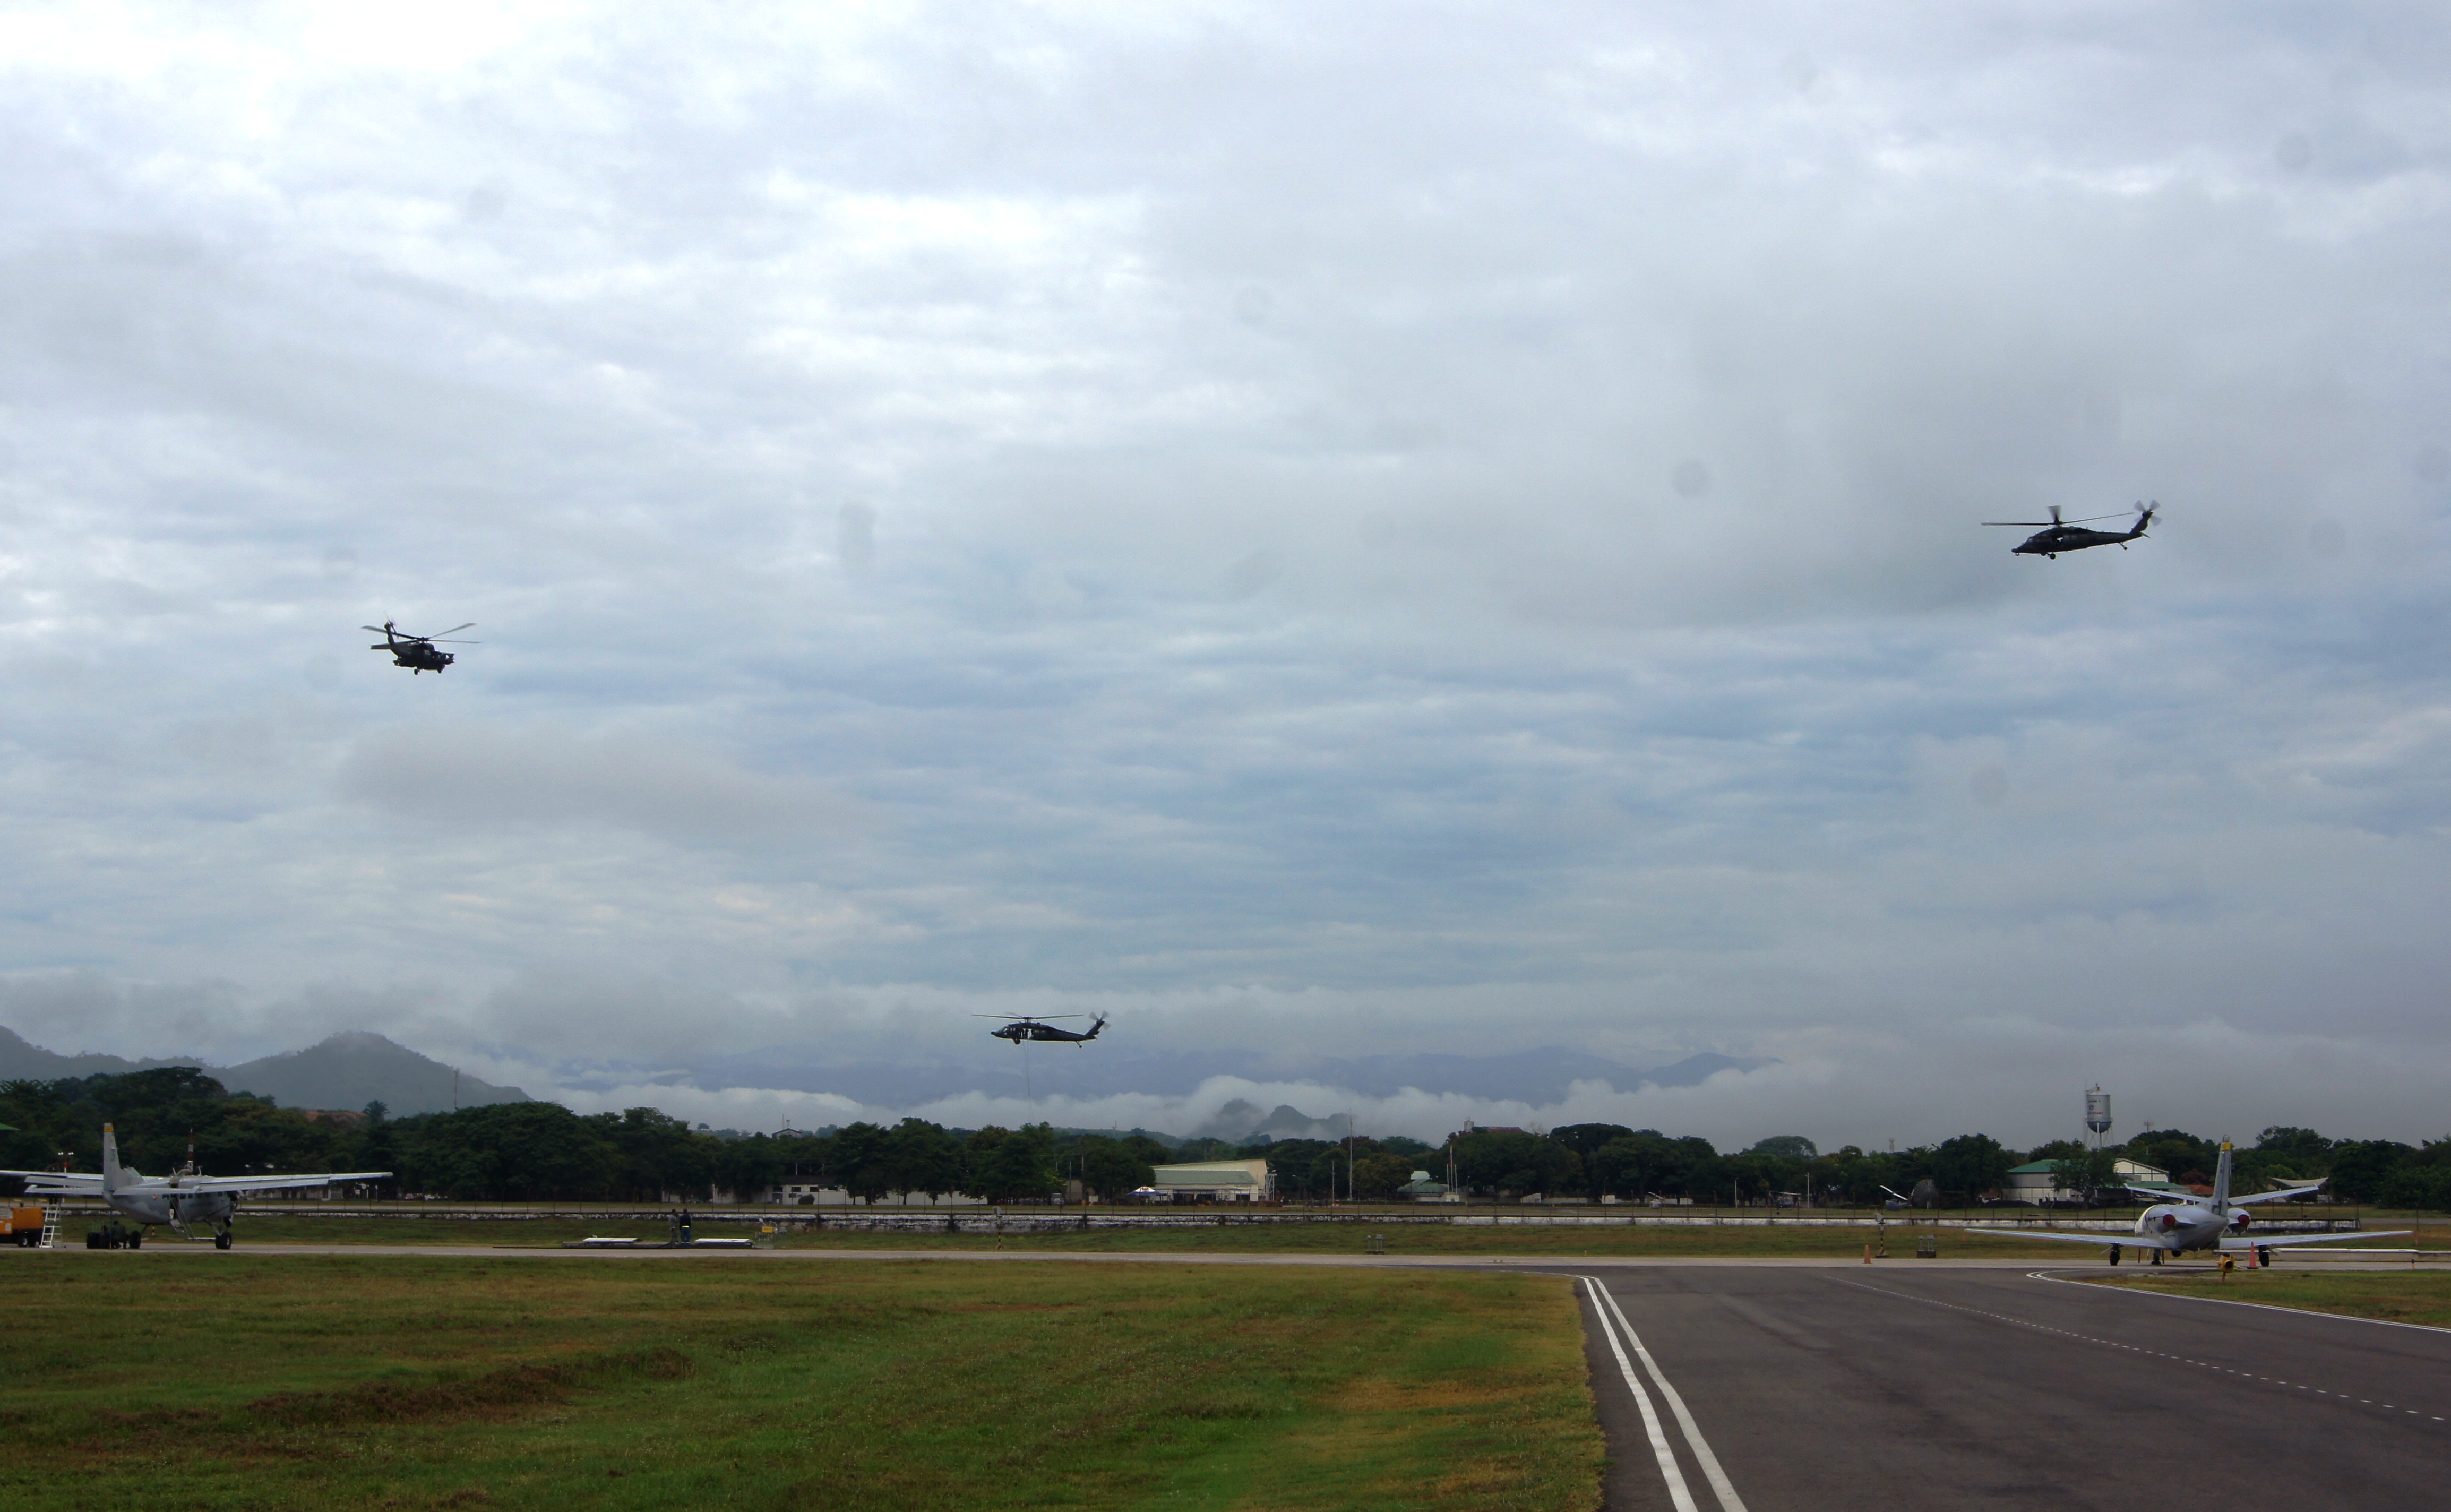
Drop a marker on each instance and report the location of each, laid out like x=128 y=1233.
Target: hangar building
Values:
x=2035 y=1183
x=1216 y=1181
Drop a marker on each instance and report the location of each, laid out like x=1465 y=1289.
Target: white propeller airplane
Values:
x=177 y=1200
x=2218 y=1222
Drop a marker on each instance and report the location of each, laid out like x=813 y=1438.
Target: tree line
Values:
x=540 y=1151
x=1636 y=1164
x=1592 y=1161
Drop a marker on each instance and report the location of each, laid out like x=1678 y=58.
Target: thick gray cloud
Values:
x=1345 y=533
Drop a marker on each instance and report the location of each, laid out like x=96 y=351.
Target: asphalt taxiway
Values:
x=1889 y=1388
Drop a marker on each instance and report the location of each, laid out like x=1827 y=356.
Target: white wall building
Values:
x=1216 y=1181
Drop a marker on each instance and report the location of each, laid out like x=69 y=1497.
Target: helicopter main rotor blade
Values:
x=455 y=629
x=2055 y=519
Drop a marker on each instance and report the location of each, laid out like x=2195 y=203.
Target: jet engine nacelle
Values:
x=2239 y=1219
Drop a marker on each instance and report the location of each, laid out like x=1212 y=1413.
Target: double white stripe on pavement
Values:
x=1613 y=1324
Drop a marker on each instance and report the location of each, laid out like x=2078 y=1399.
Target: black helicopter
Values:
x=1024 y=1028
x=416 y=653
x=2071 y=536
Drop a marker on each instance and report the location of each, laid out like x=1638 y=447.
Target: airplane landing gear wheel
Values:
x=2114 y=1254
x=222 y=1240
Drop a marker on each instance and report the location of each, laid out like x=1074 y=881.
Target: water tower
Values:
x=2097 y=1114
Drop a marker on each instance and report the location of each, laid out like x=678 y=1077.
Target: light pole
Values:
x=1348 y=1158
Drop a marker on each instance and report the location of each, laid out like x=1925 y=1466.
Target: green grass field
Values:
x=2423 y=1296
x=212 y=1380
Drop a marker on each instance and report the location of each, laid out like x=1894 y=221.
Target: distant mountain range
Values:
x=347 y=1071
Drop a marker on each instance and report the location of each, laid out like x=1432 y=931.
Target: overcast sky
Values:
x=1334 y=532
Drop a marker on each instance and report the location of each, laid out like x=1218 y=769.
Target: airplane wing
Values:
x=2251 y=1242
x=60 y=1180
x=268 y=1182
x=2158 y=1194
x=2123 y=1237
x=2278 y=1196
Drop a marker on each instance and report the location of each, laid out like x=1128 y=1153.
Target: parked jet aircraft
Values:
x=177 y=1200
x=2218 y=1222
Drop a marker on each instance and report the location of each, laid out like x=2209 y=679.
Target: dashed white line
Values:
x=2086 y=1338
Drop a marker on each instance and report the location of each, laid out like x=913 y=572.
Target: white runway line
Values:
x=1677 y=1492
x=1721 y=1486
x=2226 y=1302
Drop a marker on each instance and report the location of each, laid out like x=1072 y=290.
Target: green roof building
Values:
x=2035 y=1183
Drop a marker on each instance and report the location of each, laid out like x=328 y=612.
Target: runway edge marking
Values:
x=2224 y=1302
x=1677 y=1491
x=1720 y=1485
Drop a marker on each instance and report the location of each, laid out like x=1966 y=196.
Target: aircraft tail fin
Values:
x=2221 y=1178
x=2145 y=517
x=1096 y=1027
x=110 y=1159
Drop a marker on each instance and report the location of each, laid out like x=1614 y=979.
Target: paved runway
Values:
x=1909 y=1388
